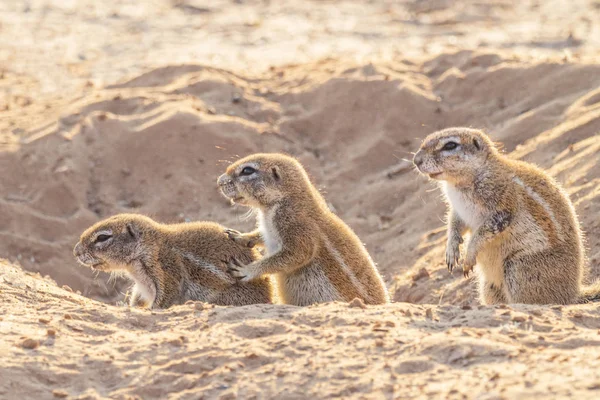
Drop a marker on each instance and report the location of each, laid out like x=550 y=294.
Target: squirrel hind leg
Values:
x=491 y=293
x=542 y=278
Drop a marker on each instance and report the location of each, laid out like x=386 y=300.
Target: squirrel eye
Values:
x=247 y=171
x=102 y=238
x=450 y=146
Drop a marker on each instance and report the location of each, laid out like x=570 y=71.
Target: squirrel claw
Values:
x=467 y=268
x=239 y=238
x=232 y=233
x=452 y=255
x=239 y=271
x=234 y=268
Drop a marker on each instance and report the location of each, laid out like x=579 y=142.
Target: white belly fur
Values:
x=468 y=211
x=267 y=229
x=143 y=284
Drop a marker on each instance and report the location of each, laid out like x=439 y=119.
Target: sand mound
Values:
x=56 y=344
x=155 y=144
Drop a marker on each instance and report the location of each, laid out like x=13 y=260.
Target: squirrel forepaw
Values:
x=453 y=253
x=239 y=238
x=468 y=265
x=239 y=271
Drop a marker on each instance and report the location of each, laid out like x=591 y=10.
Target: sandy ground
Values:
x=59 y=344
x=110 y=107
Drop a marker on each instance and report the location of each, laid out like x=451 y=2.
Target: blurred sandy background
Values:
x=123 y=106
x=64 y=45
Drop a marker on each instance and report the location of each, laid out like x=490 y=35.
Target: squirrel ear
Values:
x=133 y=230
x=275 y=172
x=477 y=144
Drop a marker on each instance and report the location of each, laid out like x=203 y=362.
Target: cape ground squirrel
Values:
x=525 y=235
x=315 y=256
x=170 y=264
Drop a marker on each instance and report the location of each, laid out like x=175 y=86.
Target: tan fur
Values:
x=171 y=264
x=525 y=236
x=315 y=256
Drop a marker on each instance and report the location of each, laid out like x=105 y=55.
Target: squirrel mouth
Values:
x=90 y=262
x=435 y=175
x=234 y=197
x=232 y=194
x=238 y=200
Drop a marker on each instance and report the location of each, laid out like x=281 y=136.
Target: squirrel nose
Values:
x=418 y=159
x=224 y=180
x=77 y=249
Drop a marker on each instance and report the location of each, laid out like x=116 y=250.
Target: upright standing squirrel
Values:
x=171 y=264
x=525 y=235
x=314 y=256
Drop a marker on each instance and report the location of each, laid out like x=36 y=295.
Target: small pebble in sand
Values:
x=67 y=288
x=30 y=343
x=519 y=318
x=44 y=320
x=594 y=386
x=61 y=394
x=51 y=332
x=175 y=342
x=422 y=274
x=357 y=303
x=67 y=316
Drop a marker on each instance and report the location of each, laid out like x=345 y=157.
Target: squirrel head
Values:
x=261 y=180
x=453 y=154
x=114 y=243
